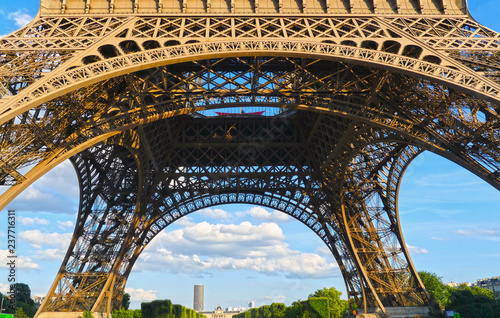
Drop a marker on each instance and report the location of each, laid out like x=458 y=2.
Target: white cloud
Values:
x=261 y=214
x=55 y=192
x=50 y=254
x=276 y=299
x=488 y=234
x=65 y=225
x=184 y=221
x=219 y=239
x=141 y=294
x=215 y=213
x=32 y=221
x=20 y=261
x=203 y=247
x=476 y=232
x=416 y=250
x=20 y=17
x=38 y=239
x=4 y=288
x=437 y=238
x=323 y=250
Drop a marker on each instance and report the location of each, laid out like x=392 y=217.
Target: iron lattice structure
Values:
x=121 y=88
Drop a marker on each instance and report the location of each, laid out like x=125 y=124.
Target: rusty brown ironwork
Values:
x=352 y=91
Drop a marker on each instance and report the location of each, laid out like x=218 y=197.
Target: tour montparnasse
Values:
x=337 y=97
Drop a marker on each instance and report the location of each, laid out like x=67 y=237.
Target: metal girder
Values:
x=364 y=87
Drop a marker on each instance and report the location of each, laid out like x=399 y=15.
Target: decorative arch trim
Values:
x=73 y=79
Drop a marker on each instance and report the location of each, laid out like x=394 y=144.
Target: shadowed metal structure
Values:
x=352 y=90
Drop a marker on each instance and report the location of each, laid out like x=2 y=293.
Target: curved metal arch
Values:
x=70 y=80
x=191 y=205
x=302 y=214
x=448 y=135
x=281 y=203
x=360 y=132
x=392 y=124
x=312 y=215
x=115 y=121
x=371 y=229
x=49 y=163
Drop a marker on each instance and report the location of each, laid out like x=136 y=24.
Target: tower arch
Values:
x=363 y=89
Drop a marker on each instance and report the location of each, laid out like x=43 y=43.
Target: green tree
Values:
x=137 y=313
x=126 y=301
x=317 y=307
x=338 y=307
x=123 y=313
x=29 y=310
x=23 y=293
x=296 y=310
x=20 y=313
x=265 y=311
x=278 y=310
x=87 y=314
x=6 y=305
x=474 y=302
x=437 y=290
x=23 y=300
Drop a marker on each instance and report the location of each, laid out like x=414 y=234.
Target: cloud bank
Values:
x=200 y=248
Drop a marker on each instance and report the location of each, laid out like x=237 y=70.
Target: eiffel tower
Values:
x=337 y=97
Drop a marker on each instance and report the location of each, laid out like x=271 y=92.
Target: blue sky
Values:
x=449 y=217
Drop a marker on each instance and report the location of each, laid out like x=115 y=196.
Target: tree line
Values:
x=323 y=303
x=469 y=302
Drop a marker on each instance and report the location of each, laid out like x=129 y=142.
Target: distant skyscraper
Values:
x=198 y=297
x=251 y=304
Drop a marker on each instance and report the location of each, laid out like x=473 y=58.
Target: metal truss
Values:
x=124 y=95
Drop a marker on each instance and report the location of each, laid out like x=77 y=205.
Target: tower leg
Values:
x=90 y=271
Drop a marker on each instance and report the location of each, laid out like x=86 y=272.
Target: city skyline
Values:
x=449 y=219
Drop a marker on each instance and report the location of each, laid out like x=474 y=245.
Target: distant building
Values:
x=492 y=284
x=38 y=300
x=199 y=297
x=456 y=285
x=221 y=313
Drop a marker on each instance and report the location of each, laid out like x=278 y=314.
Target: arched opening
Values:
x=432 y=59
x=412 y=51
x=391 y=47
x=129 y=47
x=151 y=45
x=108 y=51
x=172 y=43
x=443 y=224
x=371 y=45
x=435 y=194
x=219 y=137
x=90 y=59
x=349 y=43
x=241 y=253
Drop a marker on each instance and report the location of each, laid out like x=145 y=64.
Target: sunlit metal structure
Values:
x=352 y=90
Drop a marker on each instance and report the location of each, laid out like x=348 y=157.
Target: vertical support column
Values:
x=373 y=228
x=108 y=193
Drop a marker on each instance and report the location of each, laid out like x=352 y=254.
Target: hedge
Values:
x=316 y=307
x=165 y=309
